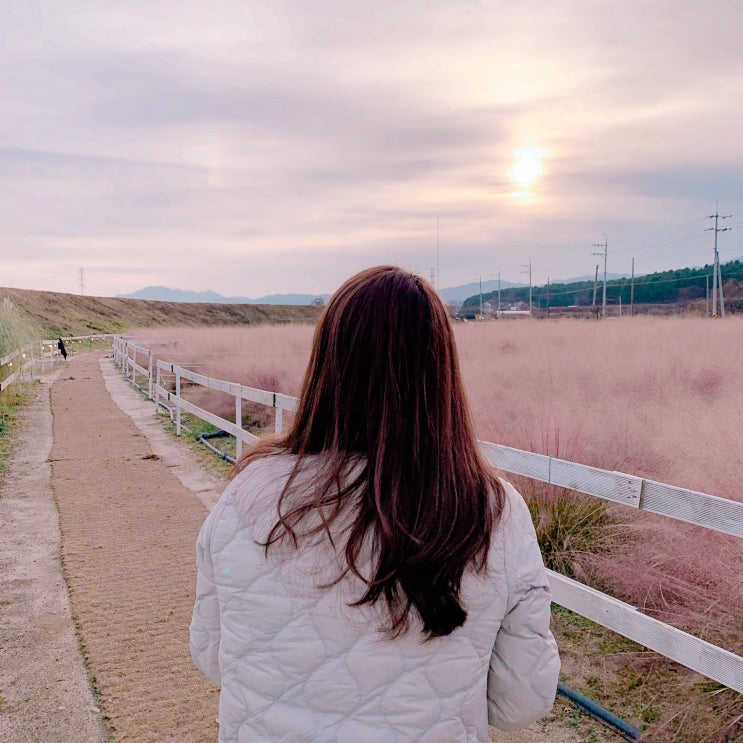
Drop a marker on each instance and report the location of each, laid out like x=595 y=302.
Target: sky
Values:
x=252 y=148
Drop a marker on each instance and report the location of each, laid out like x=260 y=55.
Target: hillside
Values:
x=71 y=314
x=680 y=287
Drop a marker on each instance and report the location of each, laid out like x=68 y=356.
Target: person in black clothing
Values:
x=62 y=349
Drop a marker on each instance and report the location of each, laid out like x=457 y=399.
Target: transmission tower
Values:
x=716 y=276
x=81 y=281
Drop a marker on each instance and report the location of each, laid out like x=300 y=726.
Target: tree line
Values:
x=681 y=285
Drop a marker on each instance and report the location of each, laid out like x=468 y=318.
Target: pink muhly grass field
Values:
x=657 y=397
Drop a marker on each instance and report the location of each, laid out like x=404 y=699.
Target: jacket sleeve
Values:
x=524 y=665
x=205 y=622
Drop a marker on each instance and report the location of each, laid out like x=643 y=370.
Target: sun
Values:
x=527 y=167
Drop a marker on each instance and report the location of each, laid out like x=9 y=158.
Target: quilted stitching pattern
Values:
x=298 y=664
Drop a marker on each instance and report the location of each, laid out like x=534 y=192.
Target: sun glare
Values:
x=527 y=167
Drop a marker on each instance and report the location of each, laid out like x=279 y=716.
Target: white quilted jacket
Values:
x=298 y=665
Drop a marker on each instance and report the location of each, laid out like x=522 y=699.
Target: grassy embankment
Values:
x=56 y=313
x=16 y=332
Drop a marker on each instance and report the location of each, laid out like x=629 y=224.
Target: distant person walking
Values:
x=367 y=577
x=62 y=349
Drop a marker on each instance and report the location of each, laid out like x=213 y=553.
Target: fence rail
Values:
x=709 y=511
x=15 y=358
x=39 y=354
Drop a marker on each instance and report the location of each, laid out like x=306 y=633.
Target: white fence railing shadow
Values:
x=709 y=511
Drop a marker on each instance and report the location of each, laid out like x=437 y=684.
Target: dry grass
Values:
x=656 y=397
x=16 y=332
x=12 y=400
x=651 y=397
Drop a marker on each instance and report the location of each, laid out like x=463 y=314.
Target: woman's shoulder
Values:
x=262 y=479
x=250 y=495
x=268 y=467
x=515 y=511
x=514 y=527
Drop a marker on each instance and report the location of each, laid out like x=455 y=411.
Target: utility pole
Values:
x=527 y=269
x=81 y=281
x=605 y=246
x=719 y=282
x=499 y=294
x=548 y=296
x=438 y=258
x=595 y=282
x=632 y=291
x=716 y=275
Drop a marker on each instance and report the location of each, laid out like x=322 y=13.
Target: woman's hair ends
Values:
x=383 y=400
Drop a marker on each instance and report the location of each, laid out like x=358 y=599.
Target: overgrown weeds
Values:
x=668 y=703
x=16 y=330
x=16 y=333
x=12 y=401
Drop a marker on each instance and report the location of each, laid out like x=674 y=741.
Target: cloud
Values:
x=181 y=138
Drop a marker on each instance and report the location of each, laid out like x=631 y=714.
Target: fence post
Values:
x=149 y=374
x=157 y=390
x=239 y=424
x=178 y=403
x=279 y=419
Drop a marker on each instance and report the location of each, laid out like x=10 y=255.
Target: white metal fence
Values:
x=719 y=514
x=39 y=356
x=15 y=363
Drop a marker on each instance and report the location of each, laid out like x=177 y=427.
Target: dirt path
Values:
x=130 y=501
x=44 y=691
x=128 y=532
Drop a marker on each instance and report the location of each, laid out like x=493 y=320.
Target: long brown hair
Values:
x=382 y=398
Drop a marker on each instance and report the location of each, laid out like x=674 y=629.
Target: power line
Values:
x=695 y=236
x=670 y=227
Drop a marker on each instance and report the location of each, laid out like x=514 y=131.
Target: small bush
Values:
x=570 y=529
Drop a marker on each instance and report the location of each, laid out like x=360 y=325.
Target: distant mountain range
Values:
x=165 y=294
x=456 y=294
